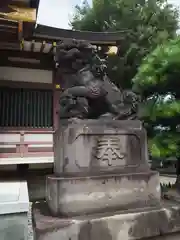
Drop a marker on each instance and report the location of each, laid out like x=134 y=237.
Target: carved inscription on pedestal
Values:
x=109 y=150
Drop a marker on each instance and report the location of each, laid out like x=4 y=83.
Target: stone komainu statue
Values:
x=90 y=94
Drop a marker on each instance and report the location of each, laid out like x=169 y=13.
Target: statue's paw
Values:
x=76 y=119
x=107 y=116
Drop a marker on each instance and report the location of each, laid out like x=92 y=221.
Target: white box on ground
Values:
x=14 y=207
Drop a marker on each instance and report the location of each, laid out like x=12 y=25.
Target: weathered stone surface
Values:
x=86 y=147
x=87 y=195
x=149 y=222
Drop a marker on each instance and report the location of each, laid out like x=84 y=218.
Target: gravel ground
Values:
x=30 y=231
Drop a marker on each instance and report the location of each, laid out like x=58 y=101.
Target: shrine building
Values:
x=29 y=89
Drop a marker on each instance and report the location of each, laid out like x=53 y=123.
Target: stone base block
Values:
x=87 y=195
x=149 y=223
x=88 y=147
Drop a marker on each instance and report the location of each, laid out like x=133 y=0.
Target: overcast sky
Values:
x=56 y=13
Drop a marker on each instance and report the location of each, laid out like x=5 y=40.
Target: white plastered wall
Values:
x=25 y=75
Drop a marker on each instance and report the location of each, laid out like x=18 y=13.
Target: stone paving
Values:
x=30 y=231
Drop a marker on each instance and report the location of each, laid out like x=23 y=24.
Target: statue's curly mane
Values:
x=73 y=55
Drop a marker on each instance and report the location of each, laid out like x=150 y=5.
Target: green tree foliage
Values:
x=146 y=23
x=158 y=81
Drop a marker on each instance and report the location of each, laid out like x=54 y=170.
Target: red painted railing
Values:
x=26 y=144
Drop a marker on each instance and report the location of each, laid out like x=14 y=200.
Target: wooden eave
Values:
x=42 y=32
x=19 y=3
x=25 y=59
x=8 y=30
x=40 y=43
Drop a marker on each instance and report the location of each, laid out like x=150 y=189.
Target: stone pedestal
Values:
x=101 y=165
x=96 y=147
x=145 y=224
x=102 y=184
x=73 y=196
